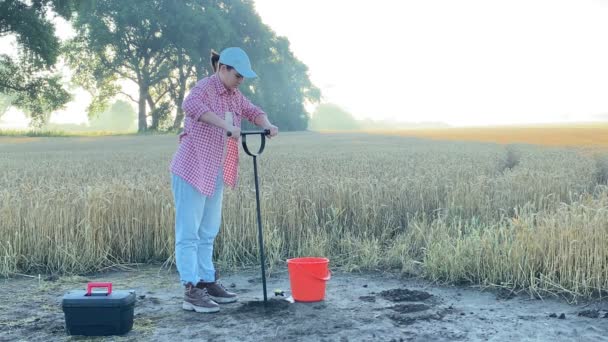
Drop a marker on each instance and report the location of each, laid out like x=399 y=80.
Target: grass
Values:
x=516 y=216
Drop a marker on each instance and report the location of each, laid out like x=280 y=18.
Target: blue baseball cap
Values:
x=238 y=59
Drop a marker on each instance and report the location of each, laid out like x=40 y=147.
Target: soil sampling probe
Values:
x=262 y=135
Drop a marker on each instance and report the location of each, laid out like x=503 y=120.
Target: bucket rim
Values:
x=308 y=260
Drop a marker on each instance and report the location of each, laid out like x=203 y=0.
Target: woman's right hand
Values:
x=234 y=132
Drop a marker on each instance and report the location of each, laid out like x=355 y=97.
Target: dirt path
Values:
x=358 y=307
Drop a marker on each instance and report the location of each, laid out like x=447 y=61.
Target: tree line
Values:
x=162 y=46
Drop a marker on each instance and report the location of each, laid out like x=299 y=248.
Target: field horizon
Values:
x=581 y=134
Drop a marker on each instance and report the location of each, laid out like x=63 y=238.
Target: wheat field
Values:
x=587 y=135
x=511 y=215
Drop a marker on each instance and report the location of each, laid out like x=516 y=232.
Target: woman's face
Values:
x=231 y=78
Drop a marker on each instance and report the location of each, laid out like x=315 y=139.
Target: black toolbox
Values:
x=98 y=313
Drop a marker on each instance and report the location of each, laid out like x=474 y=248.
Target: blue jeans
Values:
x=197 y=222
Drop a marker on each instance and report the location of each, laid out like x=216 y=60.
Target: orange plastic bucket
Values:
x=307 y=278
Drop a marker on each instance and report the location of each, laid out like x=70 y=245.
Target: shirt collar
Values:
x=219 y=86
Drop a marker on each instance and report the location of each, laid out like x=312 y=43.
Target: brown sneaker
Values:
x=196 y=299
x=218 y=292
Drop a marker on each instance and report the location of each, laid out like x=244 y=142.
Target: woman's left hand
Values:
x=274 y=130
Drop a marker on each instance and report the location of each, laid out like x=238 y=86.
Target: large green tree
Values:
x=28 y=78
x=163 y=46
x=120 y=39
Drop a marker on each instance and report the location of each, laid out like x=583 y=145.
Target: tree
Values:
x=29 y=78
x=283 y=87
x=203 y=25
x=178 y=82
x=332 y=117
x=5 y=103
x=164 y=46
x=89 y=72
x=125 y=40
x=118 y=117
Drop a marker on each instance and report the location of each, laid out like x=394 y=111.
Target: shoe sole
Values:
x=191 y=307
x=223 y=300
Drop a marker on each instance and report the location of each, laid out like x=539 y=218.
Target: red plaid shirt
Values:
x=201 y=149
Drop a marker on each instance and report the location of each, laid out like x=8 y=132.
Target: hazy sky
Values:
x=459 y=62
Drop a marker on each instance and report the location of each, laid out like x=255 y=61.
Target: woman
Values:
x=205 y=160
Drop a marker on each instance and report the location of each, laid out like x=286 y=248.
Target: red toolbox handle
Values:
x=91 y=286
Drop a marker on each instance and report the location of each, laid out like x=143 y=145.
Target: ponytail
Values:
x=215 y=59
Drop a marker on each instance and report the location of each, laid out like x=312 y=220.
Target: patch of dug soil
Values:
x=400 y=319
x=409 y=308
x=593 y=313
x=405 y=295
x=369 y=299
x=272 y=306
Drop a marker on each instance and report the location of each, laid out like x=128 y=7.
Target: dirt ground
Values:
x=358 y=307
